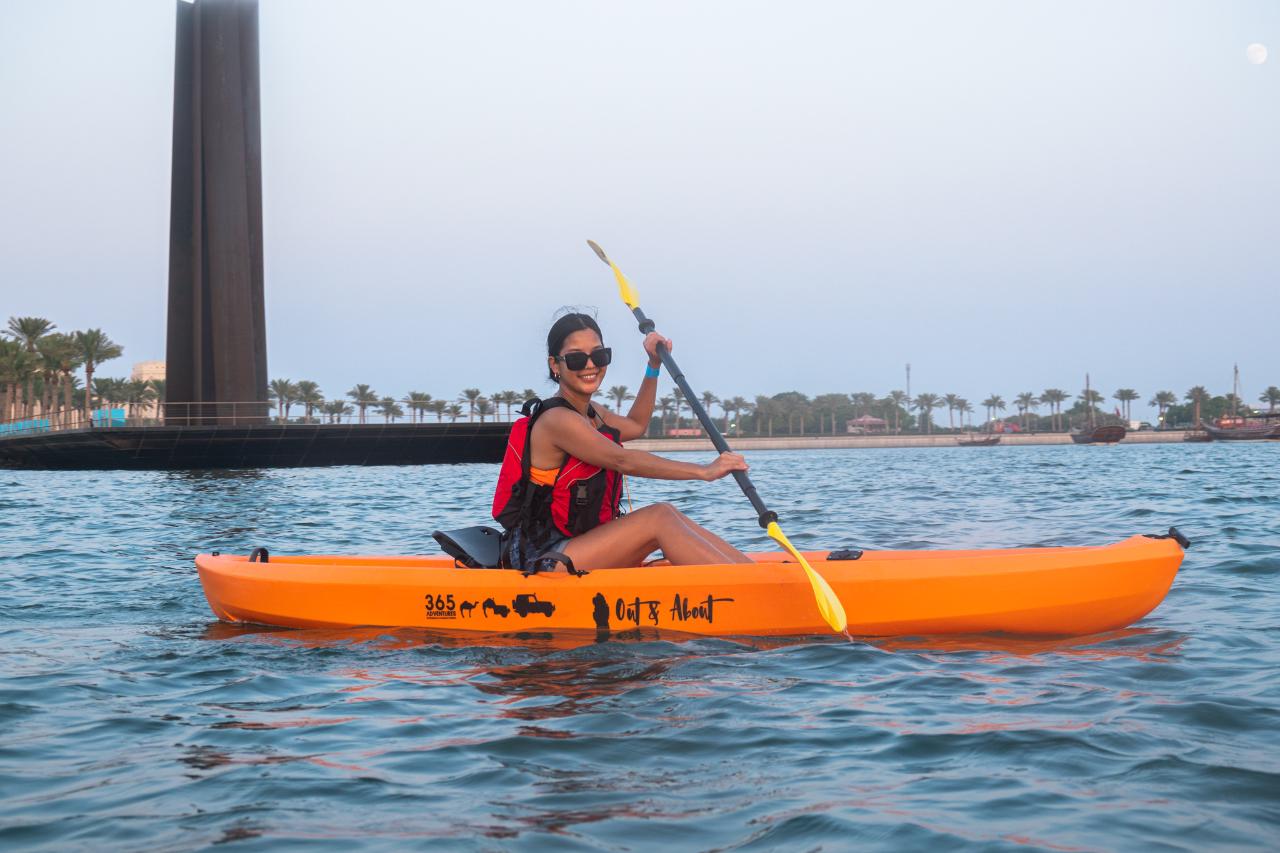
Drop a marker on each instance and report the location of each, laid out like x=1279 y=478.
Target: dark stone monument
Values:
x=217 y=343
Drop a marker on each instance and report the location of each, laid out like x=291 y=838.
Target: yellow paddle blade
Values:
x=828 y=604
x=625 y=289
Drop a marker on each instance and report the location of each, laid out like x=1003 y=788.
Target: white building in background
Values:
x=147 y=371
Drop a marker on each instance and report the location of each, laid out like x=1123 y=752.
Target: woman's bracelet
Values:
x=651 y=372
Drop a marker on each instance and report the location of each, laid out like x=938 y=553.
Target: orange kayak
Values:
x=1029 y=591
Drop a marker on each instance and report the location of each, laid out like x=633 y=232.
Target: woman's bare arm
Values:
x=570 y=433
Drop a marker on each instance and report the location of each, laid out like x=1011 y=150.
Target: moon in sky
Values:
x=1257 y=53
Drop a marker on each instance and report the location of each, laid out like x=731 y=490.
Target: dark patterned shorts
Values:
x=519 y=553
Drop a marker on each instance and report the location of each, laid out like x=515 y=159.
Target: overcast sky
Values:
x=807 y=195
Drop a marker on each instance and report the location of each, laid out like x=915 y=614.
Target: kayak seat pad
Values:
x=474 y=547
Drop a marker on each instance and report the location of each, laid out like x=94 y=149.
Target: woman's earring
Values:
x=557 y=377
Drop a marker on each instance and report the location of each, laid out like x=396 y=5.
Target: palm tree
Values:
x=1271 y=397
x=898 y=399
x=104 y=390
x=390 y=409
x=665 y=404
x=95 y=347
x=1126 y=396
x=285 y=393
x=527 y=394
x=993 y=404
x=363 y=396
x=926 y=403
x=1090 y=399
x=1025 y=402
x=336 y=409
x=964 y=407
x=308 y=394
x=109 y=392
x=829 y=404
x=419 y=402
x=158 y=386
x=470 y=395
x=510 y=398
x=739 y=406
x=766 y=408
x=950 y=400
x=619 y=395
x=27 y=331
x=9 y=351
x=454 y=411
x=726 y=406
x=61 y=356
x=23 y=365
x=1162 y=401
x=743 y=407
x=497 y=398
x=138 y=392
x=483 y=407
x=47 y=374
x=793 y=406
x=862 y=402
x=1198 y=396
x=438 y=408
x=708 y=400
x=678 y=396
x=1055 y=397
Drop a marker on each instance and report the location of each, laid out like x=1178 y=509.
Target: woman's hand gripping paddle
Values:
x=828 y=604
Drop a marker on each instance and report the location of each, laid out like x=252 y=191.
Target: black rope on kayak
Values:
x=1174 y=534
x=259 y=555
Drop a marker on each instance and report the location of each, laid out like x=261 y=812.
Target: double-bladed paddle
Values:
x=828 y=604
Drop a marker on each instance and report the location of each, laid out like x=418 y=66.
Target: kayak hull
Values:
x=1028 y=591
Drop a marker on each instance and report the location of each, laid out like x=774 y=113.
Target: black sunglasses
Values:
x=577 y=360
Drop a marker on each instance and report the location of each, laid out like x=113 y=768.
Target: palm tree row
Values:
x=38 y=365
x=285 y=394
x=791 y=410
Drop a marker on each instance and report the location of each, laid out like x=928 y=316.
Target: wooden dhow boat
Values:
x=1093 y=433
x=1107 y=434
x=1259 y=428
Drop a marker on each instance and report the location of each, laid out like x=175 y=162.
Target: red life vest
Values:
x=582 y=497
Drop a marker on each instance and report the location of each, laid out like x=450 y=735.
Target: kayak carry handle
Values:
x=259 y=555
x=1175 y=534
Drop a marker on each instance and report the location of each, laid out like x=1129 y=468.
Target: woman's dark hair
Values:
x=572 y=322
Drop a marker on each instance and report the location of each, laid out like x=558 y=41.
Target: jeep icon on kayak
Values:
x=529 y=603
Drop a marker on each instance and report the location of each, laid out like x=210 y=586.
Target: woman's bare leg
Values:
x=628 y=540
x=727 y=553
x=730 y=553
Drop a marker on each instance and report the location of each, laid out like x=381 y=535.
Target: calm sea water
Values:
x=131 y=719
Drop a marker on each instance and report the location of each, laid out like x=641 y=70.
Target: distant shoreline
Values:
x=831 y=442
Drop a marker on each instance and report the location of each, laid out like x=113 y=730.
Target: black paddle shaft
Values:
x=744 y=482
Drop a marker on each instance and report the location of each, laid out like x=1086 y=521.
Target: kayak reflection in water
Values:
x=560 y=488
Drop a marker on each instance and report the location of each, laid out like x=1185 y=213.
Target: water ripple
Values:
x=130 y=718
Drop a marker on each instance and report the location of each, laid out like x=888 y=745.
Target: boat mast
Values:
x=1088 y=400
x=1235 y=391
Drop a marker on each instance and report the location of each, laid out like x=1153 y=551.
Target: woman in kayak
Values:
x=560 y=487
